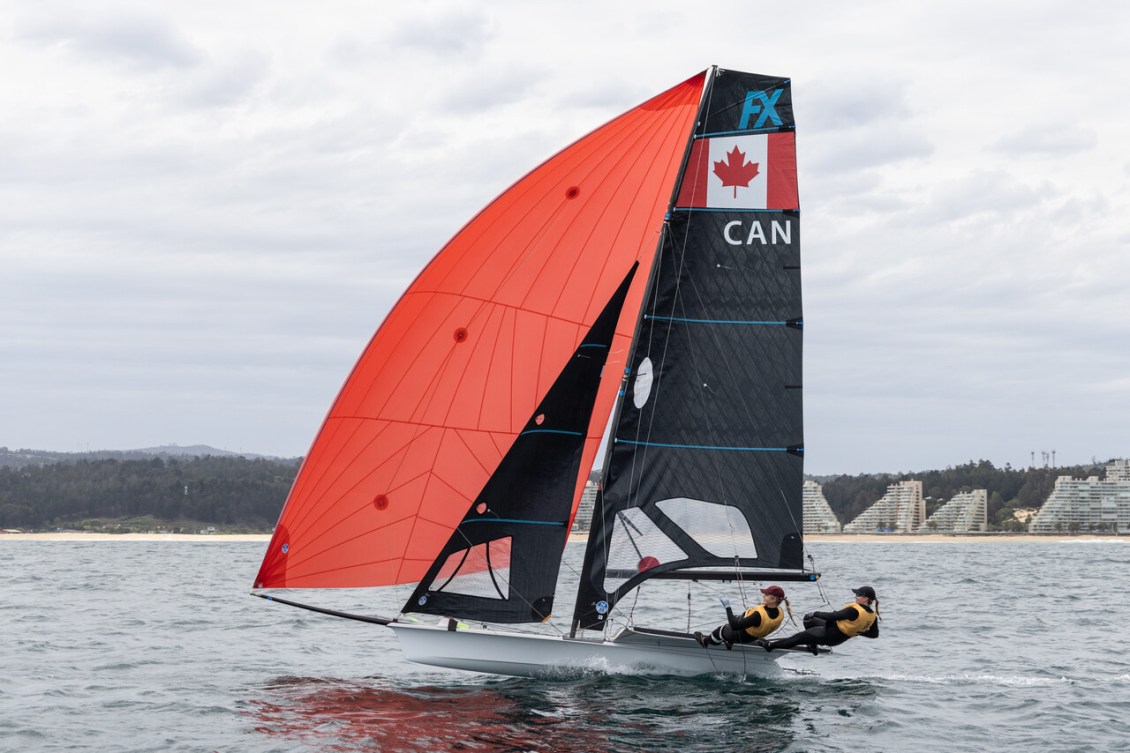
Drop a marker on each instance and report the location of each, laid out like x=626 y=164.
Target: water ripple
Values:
x=108 y=649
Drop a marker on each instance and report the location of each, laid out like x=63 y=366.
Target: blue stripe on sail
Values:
x=732 y=210
x=514 y=520
x=712 y=321
x=552 y=431
x=593 y=345
x=747 y=132
x=703 y=446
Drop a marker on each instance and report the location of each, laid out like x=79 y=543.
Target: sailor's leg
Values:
x=811 y=637
x=711 y=639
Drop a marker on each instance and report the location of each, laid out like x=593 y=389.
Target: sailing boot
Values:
x=702 y=639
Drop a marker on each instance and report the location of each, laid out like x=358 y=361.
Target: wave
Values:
x=1013 y=681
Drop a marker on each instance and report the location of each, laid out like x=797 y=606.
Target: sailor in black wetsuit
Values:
x=756 y=623
x=833 y=628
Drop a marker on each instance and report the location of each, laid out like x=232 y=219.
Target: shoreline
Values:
x=963 y=538
x=833 y=538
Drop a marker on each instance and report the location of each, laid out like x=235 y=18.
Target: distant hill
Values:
x=145 y=492
x=23 y=457
x=194 y=450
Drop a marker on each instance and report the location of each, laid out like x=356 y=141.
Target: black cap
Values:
x=867 y=591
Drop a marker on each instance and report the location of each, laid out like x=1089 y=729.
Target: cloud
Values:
x=838 y=105
x=205 y=210
x=858 y=150
x=1050 y=140
x=231 y=82
x=140 y=40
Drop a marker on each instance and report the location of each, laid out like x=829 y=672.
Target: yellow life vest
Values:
x=768 y=624
x=860 y=624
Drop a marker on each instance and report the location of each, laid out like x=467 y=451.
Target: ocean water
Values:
x=156 y=646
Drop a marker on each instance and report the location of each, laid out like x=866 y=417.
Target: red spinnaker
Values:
x=465 y=356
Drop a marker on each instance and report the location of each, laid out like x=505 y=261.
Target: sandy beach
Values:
x=933 y=538
x=940 y=538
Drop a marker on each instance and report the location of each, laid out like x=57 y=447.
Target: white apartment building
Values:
x=902 y=510
x=967 y=511
x=818 y=516
x=583 y=519
x=1084 y=505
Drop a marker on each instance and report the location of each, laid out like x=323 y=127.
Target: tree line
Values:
x=225 y=492
x=1009 y=489
x=240 y=493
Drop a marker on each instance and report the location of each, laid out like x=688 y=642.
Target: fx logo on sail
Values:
x=763 y=105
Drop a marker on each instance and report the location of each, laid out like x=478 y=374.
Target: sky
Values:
x=207 y=208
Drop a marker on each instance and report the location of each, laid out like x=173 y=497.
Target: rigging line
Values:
x=679 y=246
x=493 y=579
x=456 y=569
x=640 y=459
x=677 y=303
x=639 y=462
x=624 y=521
x=819 y=584
x=649 y=299
x=740 y=578
x=322 y=610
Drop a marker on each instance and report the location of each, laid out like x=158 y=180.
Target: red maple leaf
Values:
x=735 y=171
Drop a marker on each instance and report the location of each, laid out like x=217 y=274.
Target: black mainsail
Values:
x=705 y=468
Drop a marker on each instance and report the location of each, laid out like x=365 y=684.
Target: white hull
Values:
x=530 y=655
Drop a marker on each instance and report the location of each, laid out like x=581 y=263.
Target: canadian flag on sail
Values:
x=755 y=171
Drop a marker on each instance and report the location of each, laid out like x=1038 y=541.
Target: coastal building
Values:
x=1088 y=504
x=583 y=519
x=901 y=510
x=818 y=516
x=967 y=511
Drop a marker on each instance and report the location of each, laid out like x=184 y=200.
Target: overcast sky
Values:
x=206 y=208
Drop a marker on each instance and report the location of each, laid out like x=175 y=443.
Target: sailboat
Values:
x=635 y=298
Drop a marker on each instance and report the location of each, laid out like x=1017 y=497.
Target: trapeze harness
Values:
x=768 y=624
x=861 y=624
